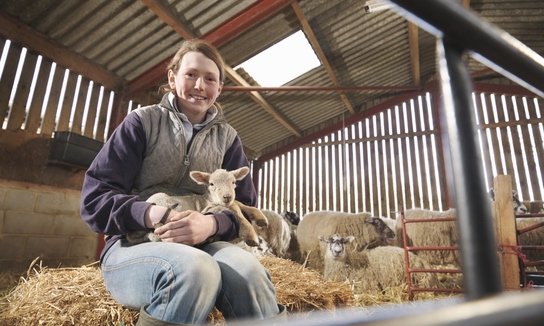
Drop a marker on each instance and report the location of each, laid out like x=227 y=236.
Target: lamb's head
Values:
x=291 y=217
x=383 y=234
x=336 y=246
x=519 y=207
x=220 y=184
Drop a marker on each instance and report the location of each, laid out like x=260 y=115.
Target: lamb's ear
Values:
x=240 y=173
x=201 y=178
x=323 y=239
x=349 y=239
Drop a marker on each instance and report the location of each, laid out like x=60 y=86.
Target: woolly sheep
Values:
x=431 y=234
x=263 y=249
x=372 y=269
x=291 y=217
x=531 y=238
x=519 y=207
x=219 y=196
x=277 y=233
x=369 y=232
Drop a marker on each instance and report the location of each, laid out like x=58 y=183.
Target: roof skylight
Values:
x=282 y=62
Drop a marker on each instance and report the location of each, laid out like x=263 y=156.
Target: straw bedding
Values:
x=77 y=296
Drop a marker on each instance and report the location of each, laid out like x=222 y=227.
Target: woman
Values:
x=176 y=281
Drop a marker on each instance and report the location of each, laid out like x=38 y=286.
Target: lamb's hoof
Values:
x=252 y=243
x=262 y=222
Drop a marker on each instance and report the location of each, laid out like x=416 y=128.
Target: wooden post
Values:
x=505 y=222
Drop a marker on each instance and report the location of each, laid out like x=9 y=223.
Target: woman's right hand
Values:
x=187 y=227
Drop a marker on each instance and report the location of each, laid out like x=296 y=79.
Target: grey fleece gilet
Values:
x=165 y=167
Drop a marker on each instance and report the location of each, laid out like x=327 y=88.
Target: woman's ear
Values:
x=220 y=88
x=171 y=79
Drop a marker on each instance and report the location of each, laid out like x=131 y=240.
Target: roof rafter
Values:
x=317 y=48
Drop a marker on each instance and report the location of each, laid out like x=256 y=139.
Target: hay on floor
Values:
x=77 y=296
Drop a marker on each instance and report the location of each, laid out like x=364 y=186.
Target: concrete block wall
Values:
x=42 y=221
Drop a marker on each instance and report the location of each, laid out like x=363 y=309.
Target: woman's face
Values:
x=196 y=84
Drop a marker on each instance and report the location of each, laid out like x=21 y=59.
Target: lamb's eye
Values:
x=234 y=182
x=211 y=184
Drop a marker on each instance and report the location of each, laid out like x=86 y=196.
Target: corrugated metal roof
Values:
x=129 y=38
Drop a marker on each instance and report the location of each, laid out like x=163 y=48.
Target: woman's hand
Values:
x=188 y=227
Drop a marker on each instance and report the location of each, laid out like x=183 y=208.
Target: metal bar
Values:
x=489 y=44
x=475 y=225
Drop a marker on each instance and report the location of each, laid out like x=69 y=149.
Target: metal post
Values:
x=475 y=224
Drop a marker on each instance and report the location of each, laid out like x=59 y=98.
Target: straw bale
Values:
x=77 y=296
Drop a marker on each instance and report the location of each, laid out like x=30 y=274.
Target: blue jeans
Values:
x=180 y=283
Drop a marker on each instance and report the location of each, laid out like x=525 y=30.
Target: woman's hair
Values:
x=196 y=45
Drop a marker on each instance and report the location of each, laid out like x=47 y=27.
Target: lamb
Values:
x=262 y=250
x=372 y=269
x=291 y=217
x=219 y=196
x=280 y=235
x=443 y=234
x=277 y=233
x=369 y=232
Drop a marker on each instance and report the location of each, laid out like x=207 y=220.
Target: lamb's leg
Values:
x=254 y=213
x=247 y=232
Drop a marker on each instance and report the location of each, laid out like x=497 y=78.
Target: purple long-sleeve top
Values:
x=106 y=203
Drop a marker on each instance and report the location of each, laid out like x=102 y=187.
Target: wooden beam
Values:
x=317 y=48
x=243 y=21
x=163 y=12
x=234 y=26
x=502 y=209
x=236 y=78
x=39 y=43
x=317 y=88
x=413 y=39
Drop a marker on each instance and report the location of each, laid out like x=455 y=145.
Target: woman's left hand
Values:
x=188 y=227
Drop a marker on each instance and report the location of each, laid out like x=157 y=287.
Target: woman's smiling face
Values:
x=196 y=84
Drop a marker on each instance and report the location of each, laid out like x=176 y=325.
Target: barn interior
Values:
x=367 y=129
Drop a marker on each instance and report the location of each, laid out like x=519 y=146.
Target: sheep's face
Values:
x=519 y=207
x=336 y=245
x=384 y=233
x=221 y=184
x=292 y=217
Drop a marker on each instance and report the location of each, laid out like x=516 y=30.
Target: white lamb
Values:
x=219 y=196
x=369 y=232
x=372 y=269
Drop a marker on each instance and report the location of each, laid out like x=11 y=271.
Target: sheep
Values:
x=291 y=217
x=430 y=234
x=219 y=196
x=277 y=233
x=534 y=237
x=281 y=235
x=263 y=249
x=369 y=231
x=372 y=269
x=519 y=207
